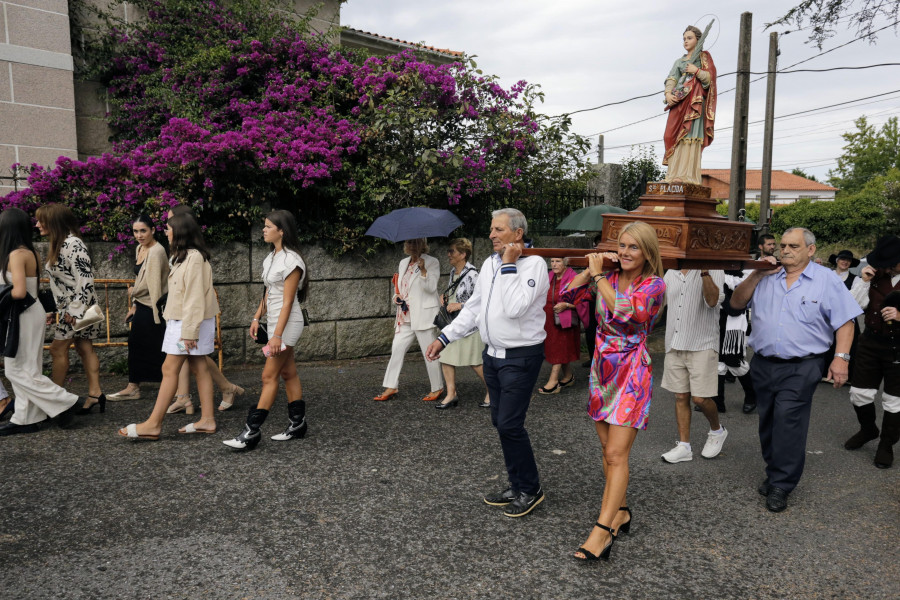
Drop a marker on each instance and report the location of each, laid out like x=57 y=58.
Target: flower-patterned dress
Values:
x=72 y=284
x=621 y=374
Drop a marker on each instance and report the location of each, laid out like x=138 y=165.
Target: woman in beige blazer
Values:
x=190 y=316
x=145 y=338
x=417 y=303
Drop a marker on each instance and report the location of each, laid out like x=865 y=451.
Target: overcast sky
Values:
x=585 y=53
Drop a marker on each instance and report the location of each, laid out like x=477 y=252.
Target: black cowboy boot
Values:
x=890 y=435
x=868 y=430
x=250 y=436
x=298 y=426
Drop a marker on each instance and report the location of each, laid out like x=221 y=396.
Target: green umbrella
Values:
x=589 y=218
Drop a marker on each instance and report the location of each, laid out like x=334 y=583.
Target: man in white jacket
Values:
x=507 y=307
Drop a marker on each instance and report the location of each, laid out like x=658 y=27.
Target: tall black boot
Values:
x=250 y=436
x=868 y=431
x=298 y=426
x=890 y=435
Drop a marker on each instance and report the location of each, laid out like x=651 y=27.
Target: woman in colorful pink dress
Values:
x=628 y=302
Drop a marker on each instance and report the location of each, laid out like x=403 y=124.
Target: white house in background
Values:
x=786 y=187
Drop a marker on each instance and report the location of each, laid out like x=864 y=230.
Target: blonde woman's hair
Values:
x=418 y=246
x=646 y=239
x=462 y=245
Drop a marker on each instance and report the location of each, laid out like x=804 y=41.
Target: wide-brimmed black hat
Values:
x=846 y=254
x=886 y=253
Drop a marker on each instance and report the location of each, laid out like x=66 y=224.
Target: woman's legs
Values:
x=616 y=441
x=271 y=372
x=479 y=369
x=401 y=343
x=553 y=380
x=565 y=373
x=59 y=351
x=449 y=372
x=85 y=350
x=203 y=378
x=170 y=369
x=292 y=386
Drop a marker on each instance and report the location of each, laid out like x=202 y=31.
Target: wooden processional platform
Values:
x=692 y=235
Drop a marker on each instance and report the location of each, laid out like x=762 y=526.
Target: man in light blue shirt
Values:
x=797 y=311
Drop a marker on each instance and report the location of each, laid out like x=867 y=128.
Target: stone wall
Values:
x=348 y=300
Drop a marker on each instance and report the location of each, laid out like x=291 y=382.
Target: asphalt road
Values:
x=383 y=500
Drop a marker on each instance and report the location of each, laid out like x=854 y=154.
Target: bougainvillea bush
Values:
x=230 y=108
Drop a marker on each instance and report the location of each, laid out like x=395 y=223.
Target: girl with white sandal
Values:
x=190 y=317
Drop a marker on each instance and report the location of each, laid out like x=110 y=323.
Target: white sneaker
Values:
x=679 y=453
x=713 y=444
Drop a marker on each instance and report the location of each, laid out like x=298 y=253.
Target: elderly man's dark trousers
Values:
x=784 y=394
x=510 y=383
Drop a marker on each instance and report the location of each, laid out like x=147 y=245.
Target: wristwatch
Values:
x=842 y=355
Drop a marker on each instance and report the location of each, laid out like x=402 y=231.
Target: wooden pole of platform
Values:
x=766 y=191
x=738 y=179
x=577 y=257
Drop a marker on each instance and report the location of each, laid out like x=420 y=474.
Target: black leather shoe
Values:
x=13 y=429
x=445 y=405
x=65 y=418
x=776 y=501
x=523 y=504
x=763 y=488
x=748 y=408
x=501 y=498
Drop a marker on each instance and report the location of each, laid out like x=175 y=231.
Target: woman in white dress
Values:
x=286 y=280
x=465 y=352
x=190 y=315
x=72 y=284
x=37 y=397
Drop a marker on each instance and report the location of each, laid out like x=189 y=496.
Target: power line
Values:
x=718 y=76
x=802 y=112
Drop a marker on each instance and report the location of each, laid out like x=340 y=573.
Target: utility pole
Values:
x=767 y=136
x=738 y=184
x=600 y=150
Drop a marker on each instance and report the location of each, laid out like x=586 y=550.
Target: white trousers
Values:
x=402 y=341
x=37 y=397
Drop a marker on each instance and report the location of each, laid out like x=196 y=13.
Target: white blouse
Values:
x=276 y=269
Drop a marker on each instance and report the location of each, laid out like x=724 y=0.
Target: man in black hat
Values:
x=843 y=261
x=878 y=356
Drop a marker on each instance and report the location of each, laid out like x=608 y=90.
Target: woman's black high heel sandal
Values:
x=626 y=526
x=604 y=554
x=101 y=402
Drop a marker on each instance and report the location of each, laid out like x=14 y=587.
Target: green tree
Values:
x=824 y=16
x=869 y=153
x=641 y=166
x=801 y=173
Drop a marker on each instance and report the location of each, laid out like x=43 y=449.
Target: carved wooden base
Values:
x=686 y=223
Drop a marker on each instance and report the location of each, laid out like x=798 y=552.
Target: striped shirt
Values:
x=691 y=324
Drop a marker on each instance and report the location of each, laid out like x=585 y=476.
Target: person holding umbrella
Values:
x=417 y=301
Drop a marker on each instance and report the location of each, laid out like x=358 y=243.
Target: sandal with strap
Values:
x=626 y=526
x=228 y=397
x=185 y=405
x=604 y=554
x=550 y=390
x=130 y=431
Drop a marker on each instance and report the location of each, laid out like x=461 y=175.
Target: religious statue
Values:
x=691 y=102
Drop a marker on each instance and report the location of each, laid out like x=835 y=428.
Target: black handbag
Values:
x=161 y=307
x=45 y=297
x=262 y=335
x=443 y=316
